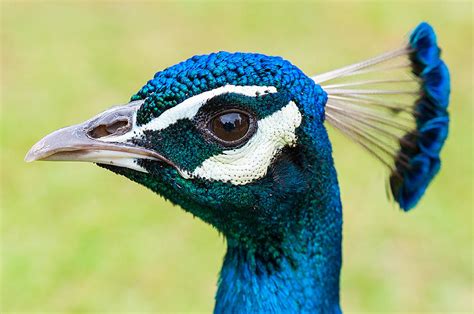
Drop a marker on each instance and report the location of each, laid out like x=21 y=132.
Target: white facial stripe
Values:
x=251 y=161
x=188 y=109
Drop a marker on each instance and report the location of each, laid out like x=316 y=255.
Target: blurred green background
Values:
x=76 y=238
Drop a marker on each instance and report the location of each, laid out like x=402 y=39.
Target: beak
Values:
x=102 y=139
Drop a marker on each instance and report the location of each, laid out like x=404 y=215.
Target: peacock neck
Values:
x=297 y=272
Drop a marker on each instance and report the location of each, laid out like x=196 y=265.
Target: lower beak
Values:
x=100 y=140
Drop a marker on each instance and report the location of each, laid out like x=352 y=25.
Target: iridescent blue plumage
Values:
x=295 y=267
x=206 y=72
x=239 y=140
x=410 y=183
x=284 y=230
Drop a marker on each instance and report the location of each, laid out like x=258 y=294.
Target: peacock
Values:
x=239 y=140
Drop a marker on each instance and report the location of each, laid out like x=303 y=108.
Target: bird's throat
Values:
x=301 y=275
x=295 y=274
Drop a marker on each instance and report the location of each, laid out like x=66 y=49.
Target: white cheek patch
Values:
x=251 y=161
x=187 y=110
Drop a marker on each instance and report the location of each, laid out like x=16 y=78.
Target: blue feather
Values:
x=409 y=183
x=423 y=42
x=436 y=84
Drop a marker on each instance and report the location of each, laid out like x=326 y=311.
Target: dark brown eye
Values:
x=230 y=126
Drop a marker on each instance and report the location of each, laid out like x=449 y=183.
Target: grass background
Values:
x=76 y=238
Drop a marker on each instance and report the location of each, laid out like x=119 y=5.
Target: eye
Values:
x=231 y=126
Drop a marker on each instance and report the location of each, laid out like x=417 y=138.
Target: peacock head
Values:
x=227 y=136
x=238 y=139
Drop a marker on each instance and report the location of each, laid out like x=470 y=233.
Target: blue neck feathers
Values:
x=299 y=271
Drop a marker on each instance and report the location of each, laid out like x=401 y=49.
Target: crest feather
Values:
x=395 y=106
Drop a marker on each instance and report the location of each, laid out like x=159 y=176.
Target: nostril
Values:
x=99 y=131
x=117 y=128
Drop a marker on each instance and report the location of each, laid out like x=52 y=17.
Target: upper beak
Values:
x=100 y=140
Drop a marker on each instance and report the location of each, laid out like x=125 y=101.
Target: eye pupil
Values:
x=230 y=126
